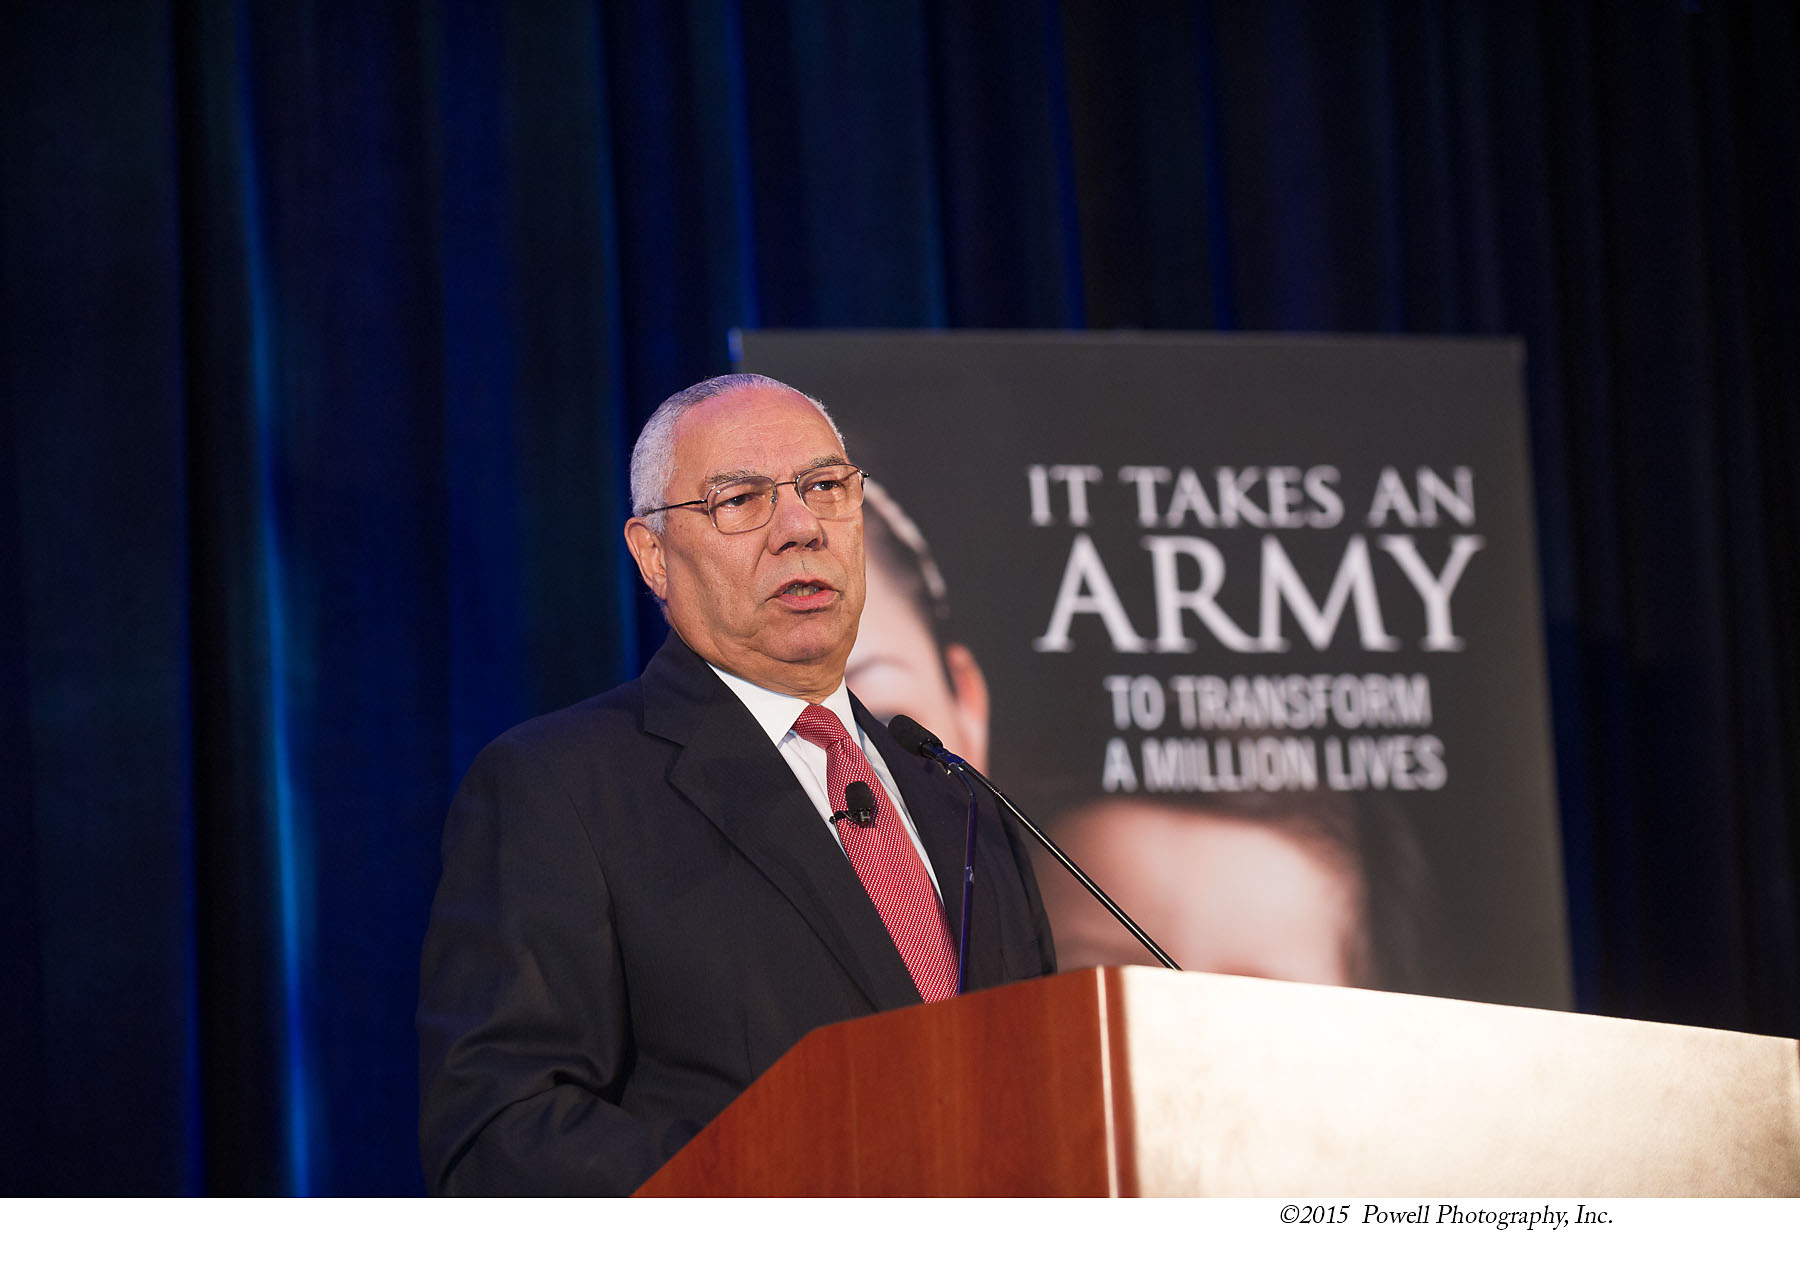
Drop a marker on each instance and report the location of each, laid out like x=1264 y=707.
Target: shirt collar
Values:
x=776 y=713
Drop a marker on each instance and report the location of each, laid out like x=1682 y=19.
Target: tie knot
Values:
x=820 y=726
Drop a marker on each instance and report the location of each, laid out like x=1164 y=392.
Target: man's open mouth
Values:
x=801 y=589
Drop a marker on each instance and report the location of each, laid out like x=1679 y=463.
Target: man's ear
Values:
x=971 y=691
x=647 y=550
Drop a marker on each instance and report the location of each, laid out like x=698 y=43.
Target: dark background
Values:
x=324 y=328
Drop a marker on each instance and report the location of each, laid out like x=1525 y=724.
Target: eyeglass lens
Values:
x=749 y=502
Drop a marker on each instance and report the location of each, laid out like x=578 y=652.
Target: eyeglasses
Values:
x=748 y=503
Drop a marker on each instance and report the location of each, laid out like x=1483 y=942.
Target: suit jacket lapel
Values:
x=736 y=778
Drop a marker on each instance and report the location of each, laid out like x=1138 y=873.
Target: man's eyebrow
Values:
x=728 y=475
x=737 y=475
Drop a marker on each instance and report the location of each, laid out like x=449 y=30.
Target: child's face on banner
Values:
x=897 y=667
x=1220 y=894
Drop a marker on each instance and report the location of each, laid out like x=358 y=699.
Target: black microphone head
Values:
x=859 y=803
x=914 y=737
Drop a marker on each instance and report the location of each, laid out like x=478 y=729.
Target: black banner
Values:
x=1250 y=624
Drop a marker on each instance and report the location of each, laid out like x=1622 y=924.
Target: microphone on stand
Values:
x=859 y=805
x=915 y=738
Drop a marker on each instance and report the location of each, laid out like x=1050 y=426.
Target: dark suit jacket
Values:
x=640 y=911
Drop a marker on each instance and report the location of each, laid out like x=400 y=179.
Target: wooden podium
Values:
x=1137 y=1081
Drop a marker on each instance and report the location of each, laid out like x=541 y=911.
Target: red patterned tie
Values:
x=886 y=861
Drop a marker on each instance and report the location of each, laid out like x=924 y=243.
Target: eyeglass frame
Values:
x=703 y=504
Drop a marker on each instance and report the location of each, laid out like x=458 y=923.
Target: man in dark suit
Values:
x=645 y=898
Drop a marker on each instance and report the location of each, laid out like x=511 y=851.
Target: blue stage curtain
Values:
x=325 y=329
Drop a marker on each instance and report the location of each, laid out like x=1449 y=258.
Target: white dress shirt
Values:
x=776 y=713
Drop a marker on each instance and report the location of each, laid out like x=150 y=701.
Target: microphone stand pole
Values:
x=909 y=733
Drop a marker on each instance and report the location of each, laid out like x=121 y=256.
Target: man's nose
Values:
x=793 y=524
